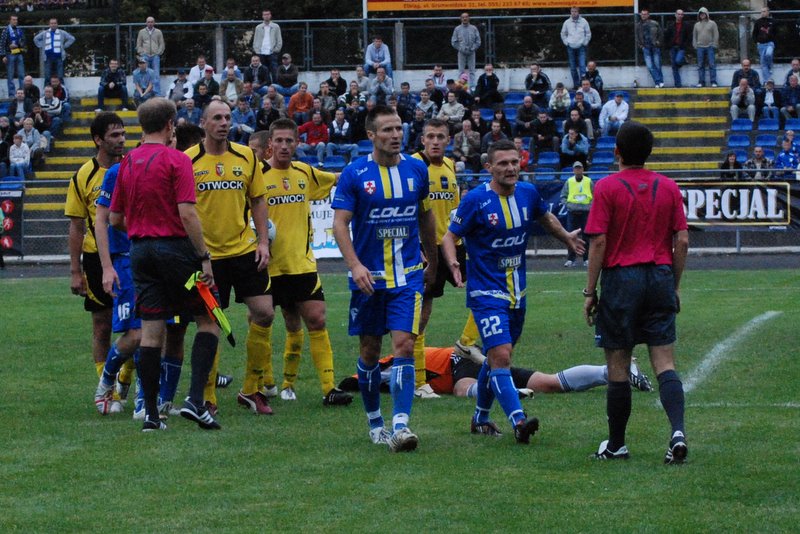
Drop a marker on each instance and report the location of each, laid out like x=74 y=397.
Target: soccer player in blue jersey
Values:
x=385 y=196
x=496 y=220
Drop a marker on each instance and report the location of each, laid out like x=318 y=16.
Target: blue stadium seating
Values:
x=364 y=147
x=566 y=173
x=595 y=176
x=792 y=124
x=741 y=155
x=548 y=158
x=511 y=114
x=514 y=99
x=738 y=141
x=769 y=153
x=544 y=174
x=310 y=160
x=487 y=114
x=606 y=142
x=8 y=183
x=626 y=96
x=334 y=163
x=603 y=158
x=768 y=125
x=741 y=125
x=766 y=140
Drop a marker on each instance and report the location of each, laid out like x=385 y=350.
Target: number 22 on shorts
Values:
x=490 y=326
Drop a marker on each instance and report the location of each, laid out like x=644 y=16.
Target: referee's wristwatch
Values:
x=205 y=256
x=589 y=294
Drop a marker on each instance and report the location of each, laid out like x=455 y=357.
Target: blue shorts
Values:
x=498 y=325
x=122 y=316
x=637 y=305
x=385 y=310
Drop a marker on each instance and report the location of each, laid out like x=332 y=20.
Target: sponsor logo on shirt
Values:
x=369 y=187
x=286 y=184
x=441 y=195
x=509 y=241
x=511 y=262
x=392 y=212
x=237 y=170
x=220 y=168
x=201 y=173
x=493 y=219
x=286 y=199
x=301 y=183
x=392 y=232
x=220 y=185
x=444 y=182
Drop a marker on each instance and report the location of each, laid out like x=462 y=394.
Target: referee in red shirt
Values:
x=155 y=197
x=638 y=251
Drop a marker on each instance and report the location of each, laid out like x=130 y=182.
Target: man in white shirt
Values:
x=613 y=114
x=267 y=42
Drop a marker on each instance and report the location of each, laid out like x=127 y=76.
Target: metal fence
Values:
x=320 y=44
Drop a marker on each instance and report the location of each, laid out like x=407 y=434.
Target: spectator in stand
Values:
x=208 y=81
x=198 y=71
x=595 y=80
x=327 y=99
x=316 y=133
x=19 y=108
x=770 y=101
x=144 y=80
x=230 y=63
x=377 y=55
x=243 y=123
x=592 y=97
x=790 y=97
x=705 y=40
x=467 y=149
x=54 y=42
x=764 y=37
x=266 y=115
x=336 y=83
x=415 y=129
x=4 y=148
x=677 y=37
x=487 y=93
x=526 y=115
x=7 y=131
x=352 y=94
x=60 y=92
x=524 y=155
x=576 y=197
x=493 y=136
x=505 y=126
x=440 y=80
x=267 y=42
x=576 y=34
x=230 y=88
x=286 y=79
x=12 y=48
x=201 y=97
x=316 y=105
x=466 y=40
x=278 y=101
x=538 y=85
x=478 y=123
x=452 y=112
x=406 y=103
x=340 y=137
x=545 y=135
x=759 y=167
x=381 y=86
x=189 y=113
x=794 y=70
x=180 y=90
x=789 y=134
x=786 y=162
x=42 y=122
x=32 y=138
x=748 y=74
x=113 y=82
x=300 y=104
x=461 y=89
x=362 y=79
x=258 y=74
x=730 y=168
x=150 y=47
x=31 y=90
x=574 y=147
x=743 y=98
x=650 y=37
x=52 y=106
x=560 y=102
x=584 y=113
x=613 y=115
x=249 y=96
x=436 y=96
x=19 y=156
x=357 y=116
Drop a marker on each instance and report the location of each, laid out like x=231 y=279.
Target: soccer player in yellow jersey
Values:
x=296 y=286
x=229 y=186
x=108 y=134
x=444 y=197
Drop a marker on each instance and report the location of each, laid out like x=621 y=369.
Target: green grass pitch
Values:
x=64 y=468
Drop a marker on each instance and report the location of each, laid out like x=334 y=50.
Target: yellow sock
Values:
x=259 y=352
x=98 y=366
x=419 y=361
x=470 y=334
x=210 y=391
x=291 y=357
x=319 y=344
x=126 y=371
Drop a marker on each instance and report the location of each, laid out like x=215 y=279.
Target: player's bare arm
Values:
x=110 y=277
x=449 y=253
x=341 y=232
x=191 y=223
x=680 y=248
x=553 y=226
x=427 y=231
x=260 y=216
x=597 y=251
x=77 y=227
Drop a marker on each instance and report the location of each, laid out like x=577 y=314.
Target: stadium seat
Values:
x=792 y=124
x=766 y=140
x=310 y=160
x=606 y=142
x=769 y=153
x=514 y=99
x=544 y=174
x=768 y=125
x=741 y=155
x=4 y=106
x=738 y=141
x=8 y=183
x=526 y=142
x=626 y=96
x=448 y=150
x=595 y=176
x=741 y=125
x=566 y=173
x=603 y=158
x=334 y=163
x=511 y=114
x=548 y=158
x=364 y=147
x=487 y=114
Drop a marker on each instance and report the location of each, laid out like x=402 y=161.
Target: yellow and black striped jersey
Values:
x=82 y=194
x=444 y=193
x=224 y=185
x=289 y=193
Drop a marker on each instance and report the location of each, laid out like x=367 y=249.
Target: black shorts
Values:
x=637 y=305
x=289 y=289
x=443 y=273
x=96 y=298
x=240 y=273
x=465 y=368
x=161 y=267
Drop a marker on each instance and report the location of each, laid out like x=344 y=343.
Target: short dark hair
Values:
x=155 y=114
x=188 y=134
x=283 y=124
x=260 y=138
x=436 y=123
x=101 y=123
x=634 y=143
x=373 y=114
x=502 y=144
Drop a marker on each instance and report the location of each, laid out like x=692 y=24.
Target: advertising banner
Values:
x=471 y=5
x=11 y=201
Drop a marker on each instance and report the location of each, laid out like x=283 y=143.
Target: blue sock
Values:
x=484 y=396
x=507 y=396
x=168 y=380
x=402 y=387
x=670 y=389
x=114 y=361
x=369 y=382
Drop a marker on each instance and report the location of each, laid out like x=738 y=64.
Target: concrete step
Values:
x=51 y=208
x=129 y=143
x=682 y=109
x=89 y=115
x=91 y=102
x=682 y=165
x=39 y=192
x=683 y=93
x=685 y=150
x=83 y=131
x=683 y=123
x=55 y=174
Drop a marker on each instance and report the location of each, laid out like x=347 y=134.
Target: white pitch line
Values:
x=740 y=405
x=723 y=349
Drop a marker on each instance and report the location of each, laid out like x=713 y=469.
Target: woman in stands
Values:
x=505 y=126
x=730 y=168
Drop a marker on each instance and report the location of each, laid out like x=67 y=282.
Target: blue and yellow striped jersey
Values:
x=496 y=230
x=385 y=203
